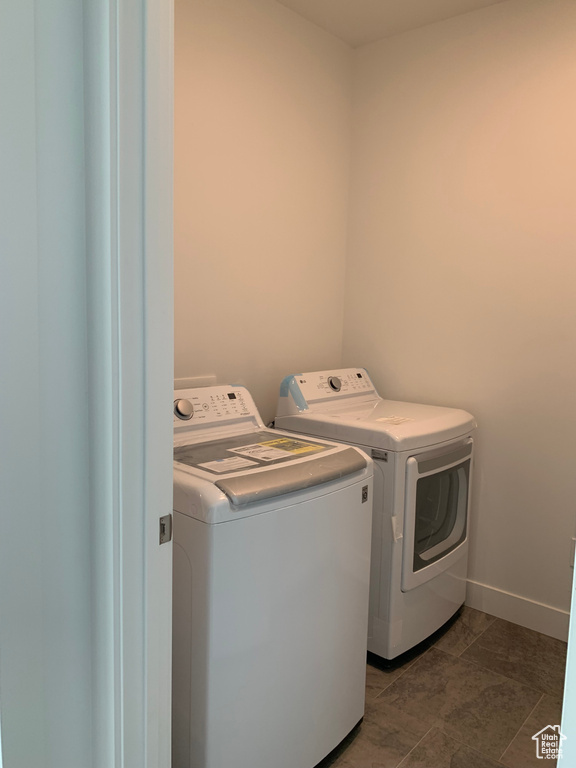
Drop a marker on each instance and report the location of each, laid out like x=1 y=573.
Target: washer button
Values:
x=335 y=383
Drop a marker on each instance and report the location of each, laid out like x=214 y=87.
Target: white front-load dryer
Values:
x=422 y=480
x=271 y=582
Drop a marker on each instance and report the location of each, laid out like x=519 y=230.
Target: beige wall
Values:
x=261 y=183
x=461 y=282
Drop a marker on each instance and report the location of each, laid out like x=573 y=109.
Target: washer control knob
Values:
x=335 y=383
x=183 y=409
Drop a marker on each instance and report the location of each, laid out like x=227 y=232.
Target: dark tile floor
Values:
x=473 y=697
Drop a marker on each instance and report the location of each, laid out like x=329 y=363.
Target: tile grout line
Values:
x=406 y=756
x=522 y=726
x=478 y=637
x=504 y=677
x=459 y=740
x=465 y=661
x=474 y=663
x=415 y=661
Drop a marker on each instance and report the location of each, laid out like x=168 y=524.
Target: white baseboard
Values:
x=520 y=610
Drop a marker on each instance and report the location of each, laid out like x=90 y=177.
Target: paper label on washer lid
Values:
x=292 y=445
x=228 y=465
x=394 y=419
x=278 y=449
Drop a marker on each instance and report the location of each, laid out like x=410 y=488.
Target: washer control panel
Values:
x=211 y=405
x=322 y=385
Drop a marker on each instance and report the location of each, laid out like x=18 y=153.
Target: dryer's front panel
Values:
x=436 y=512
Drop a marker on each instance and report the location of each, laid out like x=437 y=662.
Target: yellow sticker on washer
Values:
x=293 y=446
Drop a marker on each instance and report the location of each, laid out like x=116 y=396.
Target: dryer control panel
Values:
x=319 y=385
x=300 y=391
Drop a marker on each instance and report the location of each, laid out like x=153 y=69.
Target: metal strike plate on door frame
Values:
x=165 y=529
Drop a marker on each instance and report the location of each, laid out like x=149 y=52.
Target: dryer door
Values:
x=436 y=512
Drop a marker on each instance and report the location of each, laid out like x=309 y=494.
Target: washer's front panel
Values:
x=273 y=615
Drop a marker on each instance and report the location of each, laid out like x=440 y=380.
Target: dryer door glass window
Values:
x=440 y=514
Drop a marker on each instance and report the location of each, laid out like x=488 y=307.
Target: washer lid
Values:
x=258 y=486
x=388 y=424
x=263 y=464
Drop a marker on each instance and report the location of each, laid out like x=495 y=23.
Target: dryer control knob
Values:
x=335 y=383
x=183 y=409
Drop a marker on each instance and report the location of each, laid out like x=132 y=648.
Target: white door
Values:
x=86 y=350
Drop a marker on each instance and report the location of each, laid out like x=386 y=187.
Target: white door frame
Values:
x=87 y=345
x=159 y=369
x=129 y=107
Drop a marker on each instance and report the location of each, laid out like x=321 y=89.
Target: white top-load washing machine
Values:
x=271 y=580
x=422 y=476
